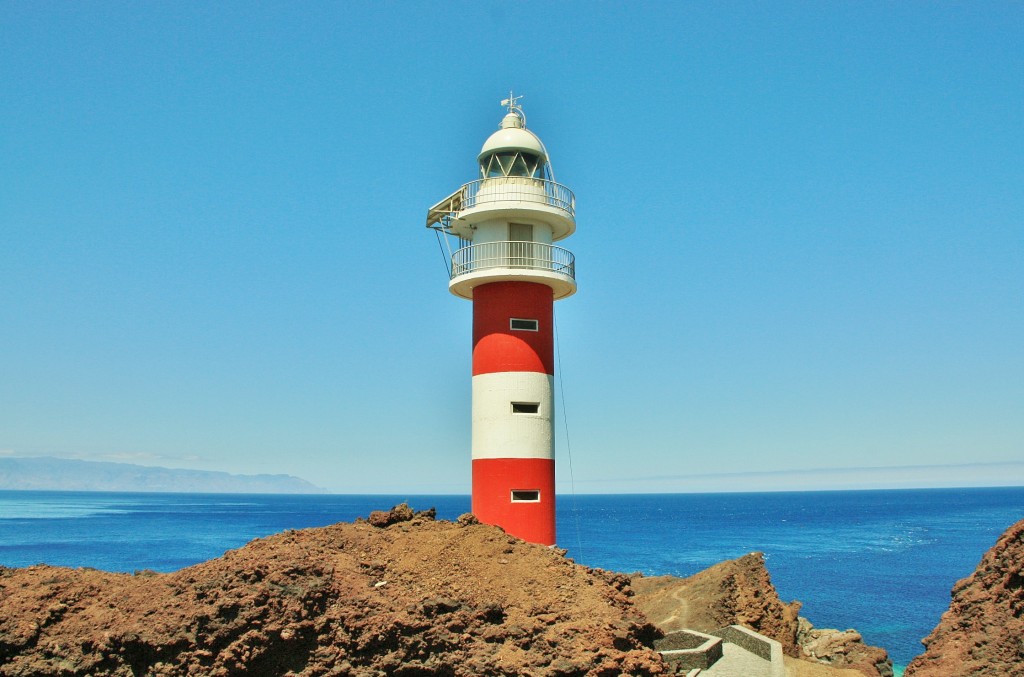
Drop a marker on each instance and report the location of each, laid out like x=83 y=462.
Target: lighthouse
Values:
x=505 y=225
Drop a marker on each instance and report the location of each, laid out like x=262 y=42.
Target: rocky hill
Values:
x=737 y=591
x=982 y=633
x=399 y=595
x=741 y=591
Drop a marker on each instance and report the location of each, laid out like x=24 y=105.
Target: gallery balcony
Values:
x=547 y=264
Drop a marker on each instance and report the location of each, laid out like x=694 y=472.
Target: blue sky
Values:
x=800 y=242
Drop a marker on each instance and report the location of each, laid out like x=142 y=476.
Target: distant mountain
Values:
x=58 y=474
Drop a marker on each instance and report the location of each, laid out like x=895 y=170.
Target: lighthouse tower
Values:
x=506 y=223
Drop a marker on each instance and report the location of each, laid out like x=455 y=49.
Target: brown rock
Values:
x=430 y=598
x=467 y=519
x=982 y=632
x=741 y=592
x=428 y=514
x=383 y=518
x=842 y=649
x=738 y=591
x=796 y=667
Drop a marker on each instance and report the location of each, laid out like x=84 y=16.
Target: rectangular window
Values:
x=525 y=496
x=525 y=407
x=519 y=324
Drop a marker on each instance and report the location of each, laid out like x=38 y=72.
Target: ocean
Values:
x=882 y=562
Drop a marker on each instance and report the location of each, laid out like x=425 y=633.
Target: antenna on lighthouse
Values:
x=512 y=103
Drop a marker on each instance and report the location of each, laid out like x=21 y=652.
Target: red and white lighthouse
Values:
x=506 y=223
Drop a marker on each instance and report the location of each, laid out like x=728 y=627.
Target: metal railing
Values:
x=525 y=189
x=515 y=254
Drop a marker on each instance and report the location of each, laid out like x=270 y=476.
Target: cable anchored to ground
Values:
x=568 y=445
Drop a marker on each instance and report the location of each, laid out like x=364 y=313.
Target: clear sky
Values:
x=799 y=246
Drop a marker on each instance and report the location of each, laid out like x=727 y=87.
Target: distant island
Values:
x=58 y=474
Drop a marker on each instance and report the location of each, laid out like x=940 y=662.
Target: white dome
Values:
x=512 y=136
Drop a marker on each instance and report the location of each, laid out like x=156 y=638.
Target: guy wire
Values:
x=568 y=446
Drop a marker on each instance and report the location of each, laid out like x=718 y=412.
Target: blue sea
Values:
x=882 y=562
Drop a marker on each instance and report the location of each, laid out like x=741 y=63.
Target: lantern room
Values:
x=506 y=222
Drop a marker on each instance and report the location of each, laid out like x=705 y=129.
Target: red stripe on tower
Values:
x=499 y=347
x=498 y=481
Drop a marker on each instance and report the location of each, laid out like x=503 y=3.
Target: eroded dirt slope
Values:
x=741 y=592
x=982 y=632
x=408 y=597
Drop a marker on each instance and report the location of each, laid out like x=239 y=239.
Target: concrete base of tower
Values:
x=518 y=495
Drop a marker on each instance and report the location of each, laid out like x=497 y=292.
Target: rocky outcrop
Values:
x=409 y=596
x=396 y=594
x=842 y=649
x=796 y=667
x=982 y=633
x=738 y=591
x=400 y=513
x=741 y=592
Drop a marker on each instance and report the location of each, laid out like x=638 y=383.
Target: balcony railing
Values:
x=540 y=191
x=502 y=189
x=523 y=255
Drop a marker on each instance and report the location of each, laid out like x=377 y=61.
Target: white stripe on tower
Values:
x=499 y=431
